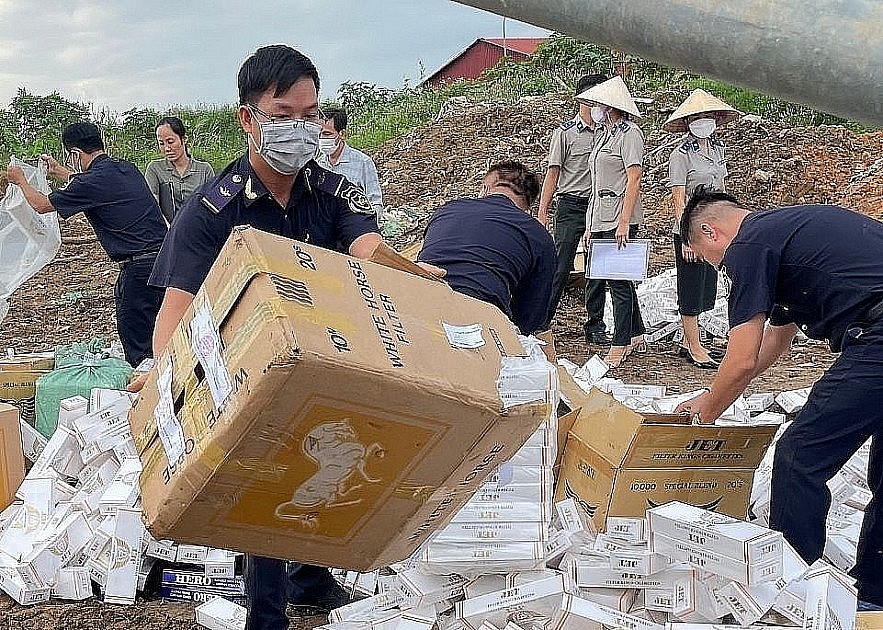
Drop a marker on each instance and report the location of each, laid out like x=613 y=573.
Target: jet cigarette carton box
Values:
x=18 y=380
x=618 y=462
x=324 y=409
x=578 y=613
x=709 y=559
x=542 y=598
x=745 y=542
x=221 y=614
x=830 y=599
x=12 y=461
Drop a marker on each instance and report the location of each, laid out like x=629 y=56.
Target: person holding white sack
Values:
x=615 y=211
x=698 y=160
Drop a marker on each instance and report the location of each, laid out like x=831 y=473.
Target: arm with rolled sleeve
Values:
x=357 y=232
x=632 y=161
x=550 y=181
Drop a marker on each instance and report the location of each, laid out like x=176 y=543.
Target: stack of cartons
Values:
x=12 y=464
x=195 y=586
x=77 y=518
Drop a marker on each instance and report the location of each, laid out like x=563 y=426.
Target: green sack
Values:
x=78 y=374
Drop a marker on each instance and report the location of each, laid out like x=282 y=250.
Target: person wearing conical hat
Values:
x=615 y=212
x=698 y=160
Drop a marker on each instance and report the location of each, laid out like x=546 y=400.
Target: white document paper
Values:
x=171 y=434
x=606 y=262
x=206 y=344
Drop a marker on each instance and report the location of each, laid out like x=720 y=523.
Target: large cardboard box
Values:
x=12 y=461
x=621 y=463
x=351 y=427
x=18 y=380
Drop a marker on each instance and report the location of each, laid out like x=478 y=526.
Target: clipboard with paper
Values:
x=606 y=262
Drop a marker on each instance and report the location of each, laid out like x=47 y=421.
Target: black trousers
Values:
x=697 y=283
x=137 y=305
x=842 y=412
x=627 y=320
x=570 y=225
x=270 y=584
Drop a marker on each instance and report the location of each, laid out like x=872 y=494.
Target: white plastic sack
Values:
x=28 y=240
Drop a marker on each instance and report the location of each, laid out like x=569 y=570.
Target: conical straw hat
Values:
x=700 y=102
x=612 y=92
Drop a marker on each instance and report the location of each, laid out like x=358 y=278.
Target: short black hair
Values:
x=337 y=115
x=518 y=178
x=278 y=67
x=175 y=124
x=702 y=197
x=84 y=136
x=589 y=81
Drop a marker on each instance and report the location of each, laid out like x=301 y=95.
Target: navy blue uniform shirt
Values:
x=495 y=252
x=324 y=209
x=115 y=198
x=820 y=267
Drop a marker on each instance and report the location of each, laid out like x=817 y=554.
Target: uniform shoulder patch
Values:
x=221 y=192
x=688 y=146
x=338 y=186
x=567 y=124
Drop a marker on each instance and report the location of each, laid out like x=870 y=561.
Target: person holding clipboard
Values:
x=615 y=211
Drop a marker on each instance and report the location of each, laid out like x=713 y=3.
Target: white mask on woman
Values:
x=703 y=127
x=599 y=114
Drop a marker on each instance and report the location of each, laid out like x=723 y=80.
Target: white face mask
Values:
x=328 y=145
x=287 y=145
x=599 y=114
x=74 y=162
x=703 y=127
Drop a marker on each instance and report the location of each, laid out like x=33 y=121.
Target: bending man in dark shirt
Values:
x=817 y=269
x=492 y=249
x=125 y=216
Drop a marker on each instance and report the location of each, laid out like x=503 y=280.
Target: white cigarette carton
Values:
x=791 y=604
x=830 y=600
x=538 y=599
x=507 y=531
x=639 y=562
x=590 y=372
x=629 y=530
x=484 y=584
x=418 y=619
x=162 y=550
x=69 y=409
x=99 y=562
x=605 y=544
x=38 y=496
x=508 y=473
x=61 y=454
x=421 y=589
x=13 y=585
x=840 y=552
x=221 y=614
x=705 y=557
x=32 y=441
x=72 y=583
x=721 y=534
x=557 y=546
x=191 y=554
x=222 y=563
x=622 y=599
x=125 y=552
x=365 y=608
x=793 y=400
x=578 y=613
x=757 y=403
x=627 y=390
x=679 y=598
x=596 y=573
x=475 y=512
x=473 y=557
x=100 y=398
x=769 y=417
x=569 y=516
x=144 y=571
x=71 y=535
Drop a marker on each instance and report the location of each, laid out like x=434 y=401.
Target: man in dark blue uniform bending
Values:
x=115 y=198
x=492 y=249
x=817 y=269
x=278 y=188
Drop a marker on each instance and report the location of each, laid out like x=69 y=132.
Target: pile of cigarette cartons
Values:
x=77 y=517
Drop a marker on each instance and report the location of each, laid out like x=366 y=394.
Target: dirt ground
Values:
x=72 y=298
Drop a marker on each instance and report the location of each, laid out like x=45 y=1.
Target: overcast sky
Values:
x=156 y=53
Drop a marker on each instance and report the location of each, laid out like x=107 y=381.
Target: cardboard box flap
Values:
x=388 y=257
x=667 y=418
x=698 y=446
x=604 y=424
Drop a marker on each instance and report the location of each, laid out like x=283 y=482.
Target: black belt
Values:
x=574 y=198
x=125 y=262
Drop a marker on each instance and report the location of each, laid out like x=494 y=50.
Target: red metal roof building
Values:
x=482 y=54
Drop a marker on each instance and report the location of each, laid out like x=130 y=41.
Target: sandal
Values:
x=639 y=345
x=616 y=356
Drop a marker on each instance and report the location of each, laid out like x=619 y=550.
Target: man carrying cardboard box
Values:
x=817 y=269
x=276 y=187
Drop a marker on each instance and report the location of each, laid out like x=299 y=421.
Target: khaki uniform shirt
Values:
x=688 y=166
x=570 y=150
x=621 y=147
